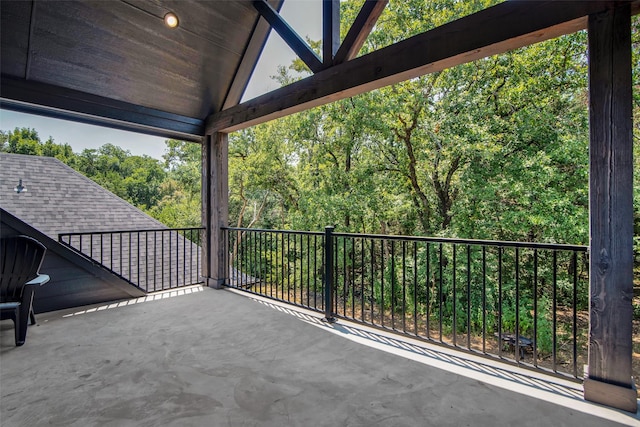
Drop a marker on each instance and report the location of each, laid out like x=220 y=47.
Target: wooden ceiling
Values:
x=115 y=63
x=118 y=61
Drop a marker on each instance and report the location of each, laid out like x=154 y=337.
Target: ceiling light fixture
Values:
x=171 y=20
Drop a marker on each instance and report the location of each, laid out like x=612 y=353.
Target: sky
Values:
x=304 y=16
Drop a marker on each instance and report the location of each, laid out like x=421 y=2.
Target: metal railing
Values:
x=152 y=260
x=523 y=302
x=284 y=265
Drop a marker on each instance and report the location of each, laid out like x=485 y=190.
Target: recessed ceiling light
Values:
x=171 y=20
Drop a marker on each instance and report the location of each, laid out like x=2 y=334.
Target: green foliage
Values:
x=635 y=52
x=170 y=191
x=136 y=179
x=27 y=141
x=494 y=149
x=179 y=204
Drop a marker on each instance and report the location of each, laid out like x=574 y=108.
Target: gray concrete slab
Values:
x=215 y=358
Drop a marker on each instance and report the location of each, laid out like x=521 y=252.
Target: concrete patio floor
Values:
x=202 y=357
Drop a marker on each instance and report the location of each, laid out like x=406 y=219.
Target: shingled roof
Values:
x=61 y=200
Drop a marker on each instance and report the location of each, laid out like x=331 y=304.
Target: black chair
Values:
x=20 y=259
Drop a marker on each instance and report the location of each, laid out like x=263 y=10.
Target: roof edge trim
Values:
x=53 y=101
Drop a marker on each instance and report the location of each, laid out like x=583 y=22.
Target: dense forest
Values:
x=493 y=149
x=167 y=190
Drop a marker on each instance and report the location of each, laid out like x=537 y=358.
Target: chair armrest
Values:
x=40 y=280
x=9 y=305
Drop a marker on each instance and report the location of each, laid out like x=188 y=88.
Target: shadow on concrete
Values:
x=200 y=357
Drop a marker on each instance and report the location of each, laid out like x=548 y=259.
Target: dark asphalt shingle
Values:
x=61 y=200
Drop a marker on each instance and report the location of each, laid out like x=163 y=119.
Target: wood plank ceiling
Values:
x=118 y=61
x=115 y=63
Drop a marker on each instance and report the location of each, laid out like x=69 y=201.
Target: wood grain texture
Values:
x=59 y=102
x=495 y=30
x=252 y=53
x=608 y=394
x=290 y=37
x=330 y=30
x=14 y=33
x=122 y=50
x=611 y=196
x=360 y=30
x=215 y=199
x=207 y=206
x=221 y=219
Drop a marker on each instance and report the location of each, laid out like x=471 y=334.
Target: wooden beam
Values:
x=33 y=97
x=252 y=52
x=610 y=209
x=360 y=30
x=330 y=30
x=215 y=207
x=495 y=30
x=295 y=42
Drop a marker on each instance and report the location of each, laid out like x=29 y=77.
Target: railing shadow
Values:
x=526 y=303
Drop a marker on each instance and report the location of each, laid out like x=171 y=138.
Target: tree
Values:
x=179 y=203
x=136 y=179
x=27 y=141
x=491 y=149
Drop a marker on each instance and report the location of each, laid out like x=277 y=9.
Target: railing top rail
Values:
x=262 y=230
x=529 y=245
x=476 y=242
x=148 y=230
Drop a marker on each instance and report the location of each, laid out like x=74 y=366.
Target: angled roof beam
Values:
x=498 y=29
x=28 y=96
x=249 y=60
x=330 y=30
x=360 y=30
x=295 y=42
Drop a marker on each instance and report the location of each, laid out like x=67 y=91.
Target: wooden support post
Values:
x=215 y=207
x=497 y=29
x=608 y=379
x=330 y=30
x=360 y=30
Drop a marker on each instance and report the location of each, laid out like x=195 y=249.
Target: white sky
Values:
x=304 y=16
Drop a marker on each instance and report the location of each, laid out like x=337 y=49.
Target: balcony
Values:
x=525 y=303
x=184 y=99
x=197 y=356
x=520 y=303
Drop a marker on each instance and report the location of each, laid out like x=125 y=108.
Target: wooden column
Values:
x=215 y=207
x=608 y=380
x=330 y=30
